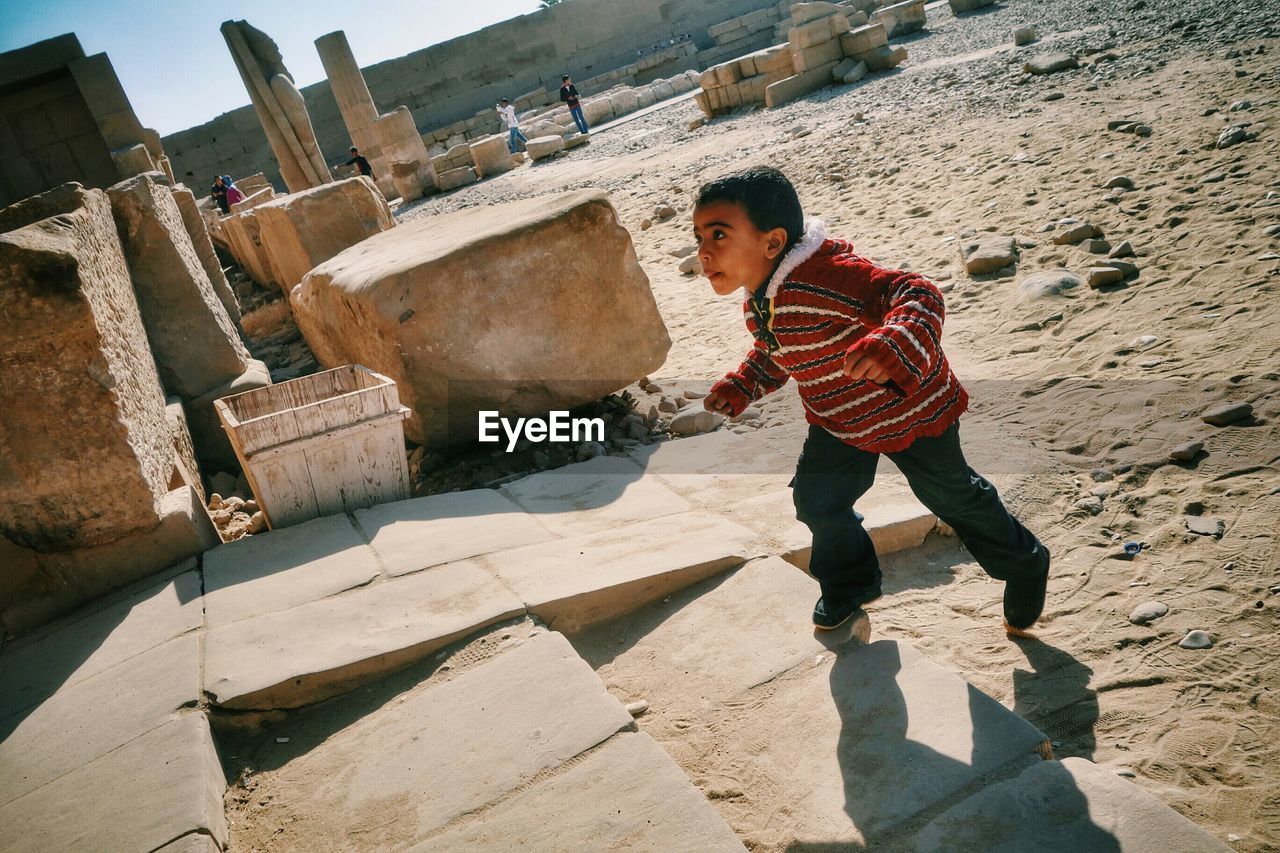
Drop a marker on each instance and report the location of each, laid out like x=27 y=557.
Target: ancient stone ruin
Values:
x=278 y=104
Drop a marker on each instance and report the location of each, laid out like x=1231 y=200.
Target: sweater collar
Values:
x=815 y=231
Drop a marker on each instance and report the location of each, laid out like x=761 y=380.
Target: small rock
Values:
x=646 y=224
x=1233 y=135
x=638 y=707
x=1055 y=282
x=667 y=405
x=1049 y=63
x=1124 y=250
x=1148 y=611
x=1206 y=526
x=750 y=413
x=987 y=253
x=1240 y=105
x=1053 y=96
x=257 y=523
x=1227 y=414
x=696 y=123
x=1024 y=35
x=1096 y=247
x=1143 y=130
x=663 y=211
x=589 y=450
x=1126 y=269
x=695 y=421
x=691 y=394
x=1214 y=178
x=1091 y=504
x=691 y=266
x=1186 y=452
x=1077 y=233
x=1127 y=773
x=1122 y=181
x=1196 y=640
x=1103 y=276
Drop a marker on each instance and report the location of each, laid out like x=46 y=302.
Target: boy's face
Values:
x=733 y=251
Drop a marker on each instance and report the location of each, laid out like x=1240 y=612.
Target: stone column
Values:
x=279 y=105
x=356 y=104
x=390 y=142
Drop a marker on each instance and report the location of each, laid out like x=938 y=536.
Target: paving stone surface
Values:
x=284 y=568
x=417 y=534
x=875 y=734
x=1068 y=805
x=153 y=790
x=595 y=495
x=628 y=795
x=451 y=747
x=84 y=645
x=323 y=648
x=92 y=717
x=716 y=470
x=746 y=630
x=573 y=583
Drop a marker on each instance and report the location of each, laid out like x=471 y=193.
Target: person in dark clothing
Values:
x=569 y=95
x=360 y=163
x=219 y=194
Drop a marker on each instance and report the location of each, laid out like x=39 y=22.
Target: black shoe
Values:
x=1024 y=598
x=827 y=618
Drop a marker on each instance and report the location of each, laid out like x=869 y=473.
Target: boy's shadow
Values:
x=894 y=783
x=1056 y=697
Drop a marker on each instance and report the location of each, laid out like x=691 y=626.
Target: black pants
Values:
x=832 y=475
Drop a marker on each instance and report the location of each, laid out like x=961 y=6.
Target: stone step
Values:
x=417 y=534
x=1069 y=805
x=588 y=497
x=164 y=785
x=520 y=720
x=573 y=583
x=92 y=717
x=628 y=795
x=289 y=658
x=874 y=734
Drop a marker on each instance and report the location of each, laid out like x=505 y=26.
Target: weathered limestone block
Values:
x=542 y=147
x=491 y=156
x=817 y=32
x=804 y=12
x=86 y=446
x=443 y=306
x=243 y=233
x=817 y=56
x=624 y=101
x=798 y=85
x=399 y=141
x=961 y=6
x=864 y=39
x=200 y=241
x=196 y=345
x=213 y=446
x=901 y=18
x=883 y=58
x=597 y=111
x=301 y=230
x=451 y=179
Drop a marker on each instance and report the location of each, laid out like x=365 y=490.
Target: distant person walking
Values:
x=361 y=164
x=234 y=196
x=569 y=94
x=508 y=114
x=219 y=195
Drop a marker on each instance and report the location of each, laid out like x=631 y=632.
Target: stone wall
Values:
x=460 y=78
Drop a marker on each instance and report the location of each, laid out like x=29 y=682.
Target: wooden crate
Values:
x=320 y=445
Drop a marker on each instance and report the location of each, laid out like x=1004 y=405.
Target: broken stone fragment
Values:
x=1227 y=414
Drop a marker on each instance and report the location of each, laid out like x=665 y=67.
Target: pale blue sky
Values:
x=176 y=69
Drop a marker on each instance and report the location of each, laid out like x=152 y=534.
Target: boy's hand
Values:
x=862 y=365
x=718 y=403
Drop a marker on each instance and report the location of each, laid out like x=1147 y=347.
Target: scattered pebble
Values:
x=1227 y=414
x=1206 y=526
x=1196 y=640
x=637 y=707
x=1186 y=452
x=1126 y=773
x=1148 y=611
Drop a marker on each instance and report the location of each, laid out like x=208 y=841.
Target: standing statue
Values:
x=279 y=105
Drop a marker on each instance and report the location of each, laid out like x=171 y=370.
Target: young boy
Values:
x=864 y=345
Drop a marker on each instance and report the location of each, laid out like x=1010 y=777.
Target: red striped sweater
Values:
x=826 y=301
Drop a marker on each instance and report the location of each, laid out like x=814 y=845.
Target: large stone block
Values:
x=194 y=341
x=961 y=6
x=200 y=241
x=900 y=18
x=86 y=446
x=243 y=233
x=542 y=147
x=302 y=230
x=864 y=39
x=826 y=53
x=798 y=85
x=472 y=310
x=491 y=156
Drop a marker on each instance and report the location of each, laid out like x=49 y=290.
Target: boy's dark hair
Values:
x=354 y=149
x=565 y=77
x=767 y=196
